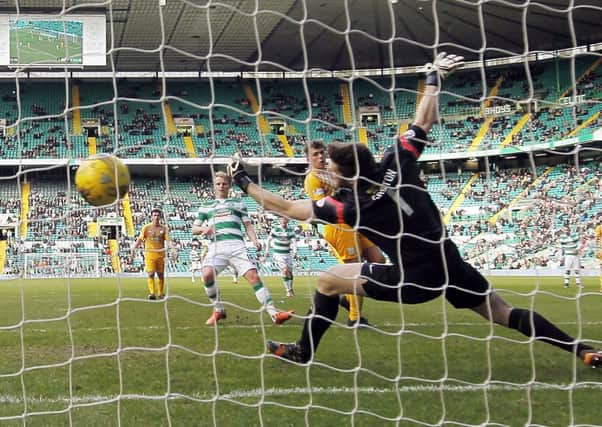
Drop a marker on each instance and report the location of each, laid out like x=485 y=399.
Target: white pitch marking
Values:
x=241 y=394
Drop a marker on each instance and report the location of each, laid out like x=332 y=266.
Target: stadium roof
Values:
x=325 y=34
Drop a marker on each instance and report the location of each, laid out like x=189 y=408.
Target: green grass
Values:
x=96 y=353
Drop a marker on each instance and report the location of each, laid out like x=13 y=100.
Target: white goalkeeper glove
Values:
x=443 y=65
x=236 y=169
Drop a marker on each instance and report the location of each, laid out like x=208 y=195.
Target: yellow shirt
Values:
x=154 y=240
x=316 y=186
x=347 y=245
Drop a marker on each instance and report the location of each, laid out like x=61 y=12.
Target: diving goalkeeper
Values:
x=389 y=204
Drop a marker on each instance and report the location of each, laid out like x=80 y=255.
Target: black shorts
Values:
x=424 y=279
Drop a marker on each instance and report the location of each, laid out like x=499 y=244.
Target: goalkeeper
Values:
x=391 y=207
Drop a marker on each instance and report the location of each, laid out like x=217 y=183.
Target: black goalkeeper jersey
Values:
x=396 y=213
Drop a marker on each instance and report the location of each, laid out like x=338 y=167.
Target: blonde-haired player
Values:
x=155 y=236
x=221 y=220
x=348 y=245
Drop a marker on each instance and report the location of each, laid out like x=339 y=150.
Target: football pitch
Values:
x=97 y=353
x=37 y=48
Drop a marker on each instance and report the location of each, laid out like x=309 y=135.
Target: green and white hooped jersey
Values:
x=226 y=216
x=570 y=244
x=281 y=240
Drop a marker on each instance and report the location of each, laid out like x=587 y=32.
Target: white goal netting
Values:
x=62 y=265
x=513 y=163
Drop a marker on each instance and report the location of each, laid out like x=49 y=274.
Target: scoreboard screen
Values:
x=46 y=41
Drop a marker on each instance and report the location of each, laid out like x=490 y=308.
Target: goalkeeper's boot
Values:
x=216 y=317
x=282 y=316
x=288 y=351
x=593 y=359
x=152 y=297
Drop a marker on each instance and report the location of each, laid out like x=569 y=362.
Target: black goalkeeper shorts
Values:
x=424 y=278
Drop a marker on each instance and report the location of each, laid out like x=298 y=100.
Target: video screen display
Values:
x=43 y=42
x=53 y=41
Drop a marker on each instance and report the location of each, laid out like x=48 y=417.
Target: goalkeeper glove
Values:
x=236 y=169
x=443 y=65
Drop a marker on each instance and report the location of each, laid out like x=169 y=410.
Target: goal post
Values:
x=61 y=265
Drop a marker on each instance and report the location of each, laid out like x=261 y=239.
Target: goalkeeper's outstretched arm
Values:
x=300 y=210
x=427 y=111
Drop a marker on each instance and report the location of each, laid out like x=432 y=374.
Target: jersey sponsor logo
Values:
x=409 y=134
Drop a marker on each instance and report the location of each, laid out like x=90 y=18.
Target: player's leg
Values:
x=284 y=264
x=195 y=270
x=149 y=267
x=213 y=264
x=347 y=247
x=486 y=302
x=533 y=325
x=372 y=254
x=340 y=279
x=160 y=266
x=567 y=270
x=287 y=274
x=241 y=262
x=577 y=270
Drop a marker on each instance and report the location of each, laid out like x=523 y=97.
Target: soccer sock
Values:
x=192 y=277
x=567 y=277
x=161 y=281
x=213 y=294
x=314 y=327
x=344 y=302
x=355 y=306
x=289 y=283
x=263 y=296
x=531 y=324
x=150 y=281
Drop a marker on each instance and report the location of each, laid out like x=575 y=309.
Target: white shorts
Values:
x=196 y=266
x=231 y=253
x=282 y=261
x=572 y=262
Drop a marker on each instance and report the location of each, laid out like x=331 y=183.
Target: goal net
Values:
x=44 y=265
x=512 y=163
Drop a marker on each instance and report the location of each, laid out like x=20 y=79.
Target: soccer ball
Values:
x=102 y=179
